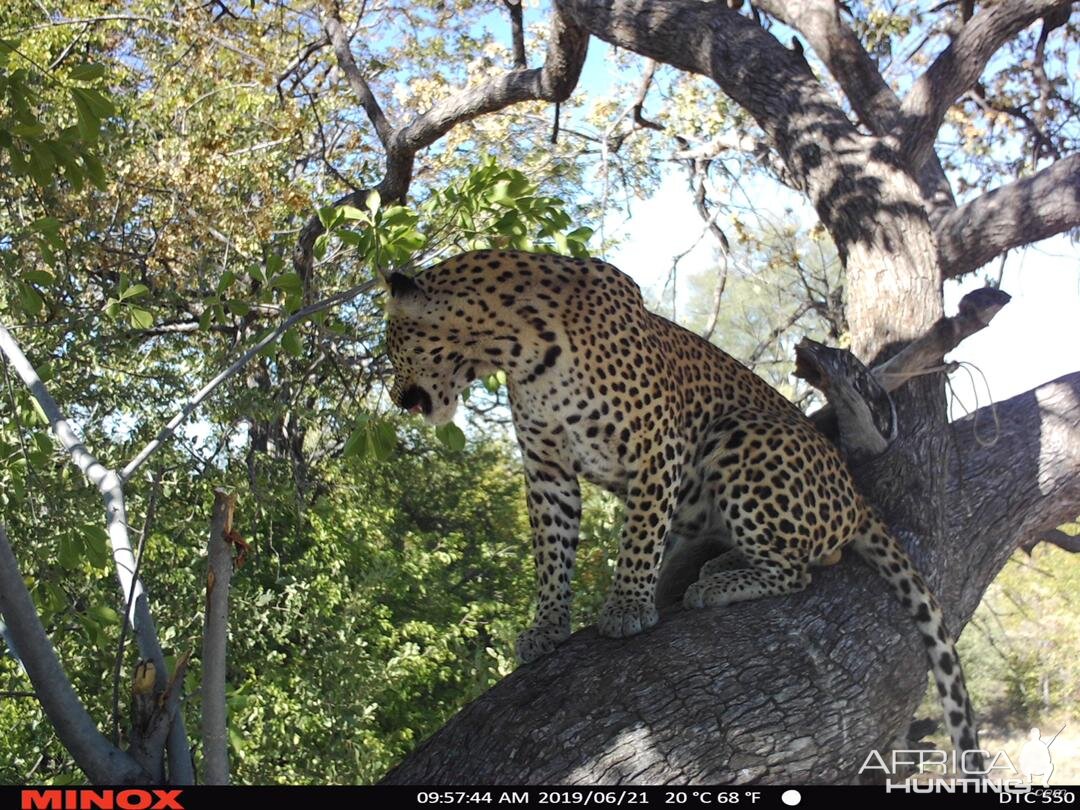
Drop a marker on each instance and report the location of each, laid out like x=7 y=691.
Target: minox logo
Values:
x=131 y=799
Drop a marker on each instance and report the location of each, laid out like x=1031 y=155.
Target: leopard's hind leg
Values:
x=767 y=574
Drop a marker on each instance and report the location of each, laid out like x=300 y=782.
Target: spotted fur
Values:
x=693 y=442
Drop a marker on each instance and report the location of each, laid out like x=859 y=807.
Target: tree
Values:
x=878 y=189
x=179 y=265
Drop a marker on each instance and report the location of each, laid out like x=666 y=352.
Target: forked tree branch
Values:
x=959 y=66
x=102 y=762
x=874 y=102
x=340 y=40
x=111 y=487
x=552 y=82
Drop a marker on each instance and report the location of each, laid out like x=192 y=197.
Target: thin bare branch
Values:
x=200 y=396
x=215 y=733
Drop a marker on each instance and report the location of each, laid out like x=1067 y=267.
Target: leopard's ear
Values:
x=404 y=292
x=403 y=286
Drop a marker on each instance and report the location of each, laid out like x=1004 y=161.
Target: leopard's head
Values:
x=427 y=350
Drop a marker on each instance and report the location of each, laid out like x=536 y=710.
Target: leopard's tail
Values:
x=879 y=548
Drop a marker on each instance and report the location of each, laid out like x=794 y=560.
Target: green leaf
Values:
x=274 y=263
x=292 y=343
x=103 y=614
x=97 y=544
x=383 y=440
x=140 y=318
x=239 y=308
x=226 y=281
x=352 y=214
x=69 y=555
x=41 y=163
x=31 y=130
x=357 y=444
x=99 y=106
x=87 y=73
x=133 y=291
x=452 y=436
x=330 y=216
x=373 y=201
x=321 y=243
x=29 y=300
x=39 y=277
x=95 y=171
x=87 y=123
x=288 y=282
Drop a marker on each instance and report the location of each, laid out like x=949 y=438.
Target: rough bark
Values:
x=874 y=102
x=796 y=689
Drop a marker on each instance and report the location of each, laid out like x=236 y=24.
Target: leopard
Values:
x=694 y=444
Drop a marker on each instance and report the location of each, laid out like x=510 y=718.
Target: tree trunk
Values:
x=793 y=689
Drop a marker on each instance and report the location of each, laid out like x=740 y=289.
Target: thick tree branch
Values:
x=790 y=690
x=859 y=188
x=1019 y=213
x=959 y=66
x=975 y=311
x=1012 y=483
x=552 y=82
x=1054 y=537
x=877 y=106
x=517 y=29
x=102 y=762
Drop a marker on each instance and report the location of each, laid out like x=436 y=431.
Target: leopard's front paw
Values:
x=540 y=640
x=624 y=616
